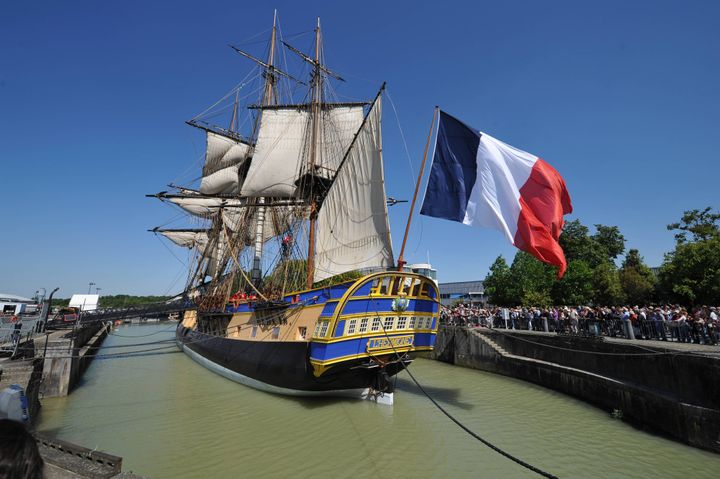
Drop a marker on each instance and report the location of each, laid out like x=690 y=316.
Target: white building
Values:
x=13 y=304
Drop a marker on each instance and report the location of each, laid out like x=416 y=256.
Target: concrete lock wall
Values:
x=672 y=394
x=67 y=357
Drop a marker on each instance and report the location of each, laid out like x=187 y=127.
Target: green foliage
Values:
x=606 y=283
x=576 y=287
x=60 y=302
x=591 y=273
x=340 y=278
x=637 y=280
x=292 y=274
x=289 y=275
x=605 y=245
x=577 y=243
x=535 y=298
x=691 y=273
x=497 y=283
x=609 y=241
x=703 y=225
x=529 y=278
x=125 y=300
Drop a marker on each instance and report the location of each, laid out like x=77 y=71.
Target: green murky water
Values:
x=169 y=417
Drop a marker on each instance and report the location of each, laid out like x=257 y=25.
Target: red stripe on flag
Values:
x=544 y=200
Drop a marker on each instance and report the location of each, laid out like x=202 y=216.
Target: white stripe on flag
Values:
x=495 y=198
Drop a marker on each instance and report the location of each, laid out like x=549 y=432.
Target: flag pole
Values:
x=401 y=259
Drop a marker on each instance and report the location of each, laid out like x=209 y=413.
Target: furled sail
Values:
x=353 y=229
x=204 y=206
x=223 y=161
x=187 y=238
x=282 y=147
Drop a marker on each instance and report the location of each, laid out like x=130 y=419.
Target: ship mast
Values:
x=316 y=109
x=269 y=98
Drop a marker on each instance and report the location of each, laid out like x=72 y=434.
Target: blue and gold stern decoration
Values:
x=388 y=313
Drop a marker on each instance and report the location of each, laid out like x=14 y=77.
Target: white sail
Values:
x=223 y=160
x=204 y=206
x=187 y=238
x=339 y=126
x=282 y=147
x=353 y=229
x=222 y=182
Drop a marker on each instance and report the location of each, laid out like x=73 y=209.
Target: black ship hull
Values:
x=283 y=367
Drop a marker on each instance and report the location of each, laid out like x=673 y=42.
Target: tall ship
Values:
x=292 y=285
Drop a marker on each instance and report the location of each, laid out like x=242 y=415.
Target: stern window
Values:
x=401 y=322
x=363 y=325
x=389 y=321
x=351 y=326
x=323 y=329
x=375 y=324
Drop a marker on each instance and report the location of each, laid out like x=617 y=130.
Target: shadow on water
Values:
x=319 y=402
x=450 y=396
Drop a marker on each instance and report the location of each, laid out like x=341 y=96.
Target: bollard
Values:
x=629 y=332
x=545 y=325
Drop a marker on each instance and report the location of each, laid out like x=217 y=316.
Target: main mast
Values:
x=269 y=98
x=314 y=156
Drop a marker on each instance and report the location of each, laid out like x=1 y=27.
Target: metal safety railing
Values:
x=648 y=329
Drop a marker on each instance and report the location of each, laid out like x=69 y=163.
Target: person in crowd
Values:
x=701 y=325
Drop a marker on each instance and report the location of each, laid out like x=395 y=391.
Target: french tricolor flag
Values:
x=480 y=181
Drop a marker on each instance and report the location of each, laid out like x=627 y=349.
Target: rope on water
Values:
x=492 y=446
x=484 y=441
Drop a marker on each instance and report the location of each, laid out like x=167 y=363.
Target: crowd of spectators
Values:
x=699 y=325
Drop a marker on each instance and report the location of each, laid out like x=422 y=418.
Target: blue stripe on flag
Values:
x=454 y=170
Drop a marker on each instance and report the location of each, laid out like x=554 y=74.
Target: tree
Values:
x=637 y=280
x=576 y=287
x=577 y=243
x=609 y=240
x=691 y=273
x=703 y=225
x=497 y=283
x=605 y=245
x=529 y=279
x=606 y=284
x=126 y=300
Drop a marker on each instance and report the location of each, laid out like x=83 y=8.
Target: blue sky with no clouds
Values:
x=621 y=97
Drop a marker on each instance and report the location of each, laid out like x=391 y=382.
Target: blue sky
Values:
x=621 y=97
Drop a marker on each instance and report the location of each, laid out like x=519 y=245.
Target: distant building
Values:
x=13 y=304
x=463 y=291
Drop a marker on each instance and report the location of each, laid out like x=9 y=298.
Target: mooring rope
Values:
x=492 y=446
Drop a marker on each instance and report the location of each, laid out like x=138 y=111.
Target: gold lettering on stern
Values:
x=396 y=342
